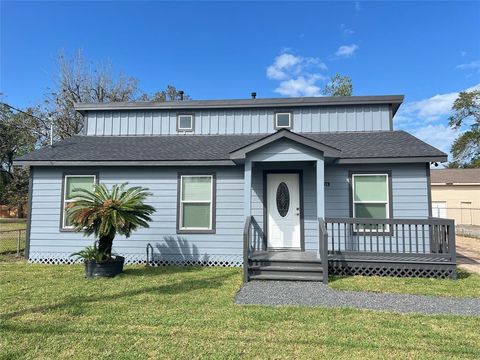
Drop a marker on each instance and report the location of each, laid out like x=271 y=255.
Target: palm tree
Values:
x=107 y=213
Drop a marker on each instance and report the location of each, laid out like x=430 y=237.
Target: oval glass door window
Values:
x=283 y=199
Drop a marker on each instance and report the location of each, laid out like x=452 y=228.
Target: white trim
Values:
x=179 y=128
x=65 y=201
x=289 y=120
x=386 y=203
x=210 y=227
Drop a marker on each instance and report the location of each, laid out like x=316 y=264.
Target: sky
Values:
x=427 y=51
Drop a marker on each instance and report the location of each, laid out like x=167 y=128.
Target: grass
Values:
x=467 y=285
x=53 y=312
x=8 y=237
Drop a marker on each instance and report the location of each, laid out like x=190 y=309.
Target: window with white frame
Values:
x=71 y=184
x=196 y=203
x=185 y=122
x=371 y=196
x=283 y=120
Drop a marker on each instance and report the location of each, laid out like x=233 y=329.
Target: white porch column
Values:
x=320 y=188
x=247 y=188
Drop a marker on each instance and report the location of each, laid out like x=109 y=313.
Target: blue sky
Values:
x=427 y=51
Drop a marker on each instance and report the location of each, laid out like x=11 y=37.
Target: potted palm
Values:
x=106 y=213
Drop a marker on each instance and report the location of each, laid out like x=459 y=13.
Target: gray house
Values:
x=280 y=186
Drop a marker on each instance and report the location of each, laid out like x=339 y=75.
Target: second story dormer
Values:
x=248 y=116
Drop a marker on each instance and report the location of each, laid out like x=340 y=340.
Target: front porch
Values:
x=411 y=248
x=308 y=215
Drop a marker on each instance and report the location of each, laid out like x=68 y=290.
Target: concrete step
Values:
x=287 y=277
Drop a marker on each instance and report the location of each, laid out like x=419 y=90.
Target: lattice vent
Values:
x=223 y=261
x=442 y=273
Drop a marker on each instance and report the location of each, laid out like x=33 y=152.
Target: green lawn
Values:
x=51 y=311
x=467 y=285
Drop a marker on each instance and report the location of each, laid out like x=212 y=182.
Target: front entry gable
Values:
x=284 y=139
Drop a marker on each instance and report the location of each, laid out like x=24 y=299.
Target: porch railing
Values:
x=412 y=236
x=253 y=240
x=323 y=247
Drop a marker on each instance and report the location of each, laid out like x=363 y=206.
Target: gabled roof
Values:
x=328 y=151
x=455 y=176
x=355 y=147
x=394 y=100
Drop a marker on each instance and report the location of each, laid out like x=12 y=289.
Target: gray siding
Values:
x=48 y=244
x=241 y=121
x=410 y=201
x=409 y=189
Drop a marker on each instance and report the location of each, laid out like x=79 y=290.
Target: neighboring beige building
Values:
x=456 y=195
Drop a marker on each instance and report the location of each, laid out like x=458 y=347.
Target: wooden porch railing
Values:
x=253 y=240
x=323 y=247
x=412 y=236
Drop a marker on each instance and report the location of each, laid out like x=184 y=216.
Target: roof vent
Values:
x=181 y=94
x=254 y=95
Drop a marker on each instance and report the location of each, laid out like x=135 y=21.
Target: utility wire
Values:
x=21 y=111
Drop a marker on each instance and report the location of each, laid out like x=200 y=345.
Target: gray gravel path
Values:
x=318 y=294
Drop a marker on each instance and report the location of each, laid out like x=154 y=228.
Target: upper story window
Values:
x=185 y=122
x=70 y=185
x=283 y=120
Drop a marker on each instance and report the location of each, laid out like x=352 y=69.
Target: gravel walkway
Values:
x=318 y=294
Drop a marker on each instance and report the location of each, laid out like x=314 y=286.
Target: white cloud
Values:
x=439 y=135
x=428 y=119
x=472 y=65
x=298 y=75
x=300 y=86
x=346 y=31
x=433 y=108
x=346 y=51
x=357 y=7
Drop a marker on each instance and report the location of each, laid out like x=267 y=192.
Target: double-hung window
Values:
x=71 y=183
x=371 y=196
x=196 y=203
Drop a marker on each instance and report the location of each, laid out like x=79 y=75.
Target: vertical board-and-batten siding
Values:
x=48 y=242
x=240 y=121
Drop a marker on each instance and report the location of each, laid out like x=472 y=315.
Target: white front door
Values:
x=283 y=211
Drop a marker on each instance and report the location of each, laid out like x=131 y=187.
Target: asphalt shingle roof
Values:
x=458 y=176
x=378 y=144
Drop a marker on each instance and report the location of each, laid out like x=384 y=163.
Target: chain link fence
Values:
x=12 y=238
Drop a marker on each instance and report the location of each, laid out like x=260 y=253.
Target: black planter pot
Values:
x=108 y=268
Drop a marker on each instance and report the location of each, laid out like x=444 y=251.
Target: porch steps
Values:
x=287 y=277
x=285 y=267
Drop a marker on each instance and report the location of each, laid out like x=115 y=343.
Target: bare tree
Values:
x=78 y=82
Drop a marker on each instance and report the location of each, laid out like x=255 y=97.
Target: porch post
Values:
x=320 y=197
x=247 y=198
x=320 y=189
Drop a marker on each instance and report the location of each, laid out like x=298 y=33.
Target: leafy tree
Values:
x=107 y=213
x=339 y=86
x=169 y=94
x=15 y=193
x=16 y=139
x=466 y=147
